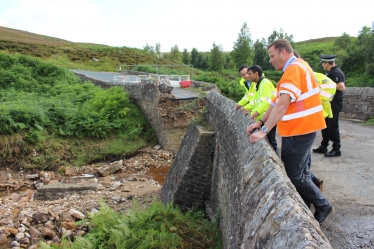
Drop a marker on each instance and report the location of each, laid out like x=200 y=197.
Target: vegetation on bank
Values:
x=155 y=226
x=47 y=109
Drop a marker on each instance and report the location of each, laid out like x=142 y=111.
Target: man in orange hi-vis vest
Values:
x=298 y=113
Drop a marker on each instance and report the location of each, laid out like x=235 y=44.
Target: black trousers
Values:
x=331 y=132
x=271 y=138
x=295 y=156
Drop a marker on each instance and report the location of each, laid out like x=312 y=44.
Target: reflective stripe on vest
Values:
x=305 y=112
x=327 y=86
x=327 y=95
x=302 y=113
x=274 y=95
x=327 y=92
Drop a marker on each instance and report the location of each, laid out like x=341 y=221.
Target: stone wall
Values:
x=358 y=103
x=244 y=185
x=188 y=181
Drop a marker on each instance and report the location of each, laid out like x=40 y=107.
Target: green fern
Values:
x=153 y=227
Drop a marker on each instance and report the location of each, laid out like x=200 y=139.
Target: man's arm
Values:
x=340 y=86
x=275 y=115
x=278 y=111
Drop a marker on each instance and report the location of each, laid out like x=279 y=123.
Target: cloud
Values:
x=75 y=20
x=3 y=22
x=188 y=24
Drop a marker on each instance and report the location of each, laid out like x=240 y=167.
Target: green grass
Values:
x=155 y=226
x=68 y=122
x=370 y=121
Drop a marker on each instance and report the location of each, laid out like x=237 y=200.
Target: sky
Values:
x=187 y=24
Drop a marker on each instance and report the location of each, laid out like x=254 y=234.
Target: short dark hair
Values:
x=242 y=67
x=296 y=54
x=281 y=44
x=256 y=68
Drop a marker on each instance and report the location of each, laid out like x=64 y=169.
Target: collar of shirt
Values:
x=289 y=61
x=248 y=84
x=260 y=79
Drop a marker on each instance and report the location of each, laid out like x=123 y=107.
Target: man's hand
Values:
x=252 y=127
x=253 y=138
x=255 y=115
x=246 y=112
x=237 y=106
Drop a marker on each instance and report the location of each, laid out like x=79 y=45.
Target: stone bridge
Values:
x=242 y=186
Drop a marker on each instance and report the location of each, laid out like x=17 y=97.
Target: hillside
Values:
x=27 y=37
x=75 y=55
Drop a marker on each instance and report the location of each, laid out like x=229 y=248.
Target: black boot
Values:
x=320 y=149
x=321 y=213
x=333 y=153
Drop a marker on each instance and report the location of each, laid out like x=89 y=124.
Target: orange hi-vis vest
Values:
x=304 y=114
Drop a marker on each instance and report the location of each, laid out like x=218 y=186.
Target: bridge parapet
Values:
x=243 y=184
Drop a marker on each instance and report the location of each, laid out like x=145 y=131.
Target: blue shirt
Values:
x=289 y=61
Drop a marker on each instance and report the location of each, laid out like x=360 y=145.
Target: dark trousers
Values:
x=271 y=138
x=295 y=156
x=331 y=132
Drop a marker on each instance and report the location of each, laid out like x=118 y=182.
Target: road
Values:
x=349 y=185
x=104 y=76
x=179 y=93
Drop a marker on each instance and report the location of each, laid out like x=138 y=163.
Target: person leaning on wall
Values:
x=332 y=133
x=247 y=102
x=264 y=90
x=298 y=114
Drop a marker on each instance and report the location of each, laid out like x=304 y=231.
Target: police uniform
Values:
x=331 y=132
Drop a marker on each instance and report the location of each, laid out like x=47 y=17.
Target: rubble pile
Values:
x=28 y=217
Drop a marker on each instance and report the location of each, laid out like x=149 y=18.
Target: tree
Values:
x=355 y=61
x=148 y=48
x=194 y=55
x=343 y=41
x=202 y=61
x=175 y=54
x=280 y=35
x=186 y=57
x=366 y=42
x=261 y=55
x=158 y=50
x=242 y=53
x=216 y=59
x=229 y=63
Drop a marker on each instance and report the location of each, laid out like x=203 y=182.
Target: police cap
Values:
x=327 y=57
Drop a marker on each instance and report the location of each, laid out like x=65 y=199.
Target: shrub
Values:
x=156 y=226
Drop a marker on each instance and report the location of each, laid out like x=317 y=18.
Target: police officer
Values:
x=331 y=132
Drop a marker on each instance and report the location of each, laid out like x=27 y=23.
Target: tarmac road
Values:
x=179 y=93
x=104 y=76
x=349 y=185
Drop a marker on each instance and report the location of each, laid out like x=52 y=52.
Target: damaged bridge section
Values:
x=188 y=181
x=242 y=185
